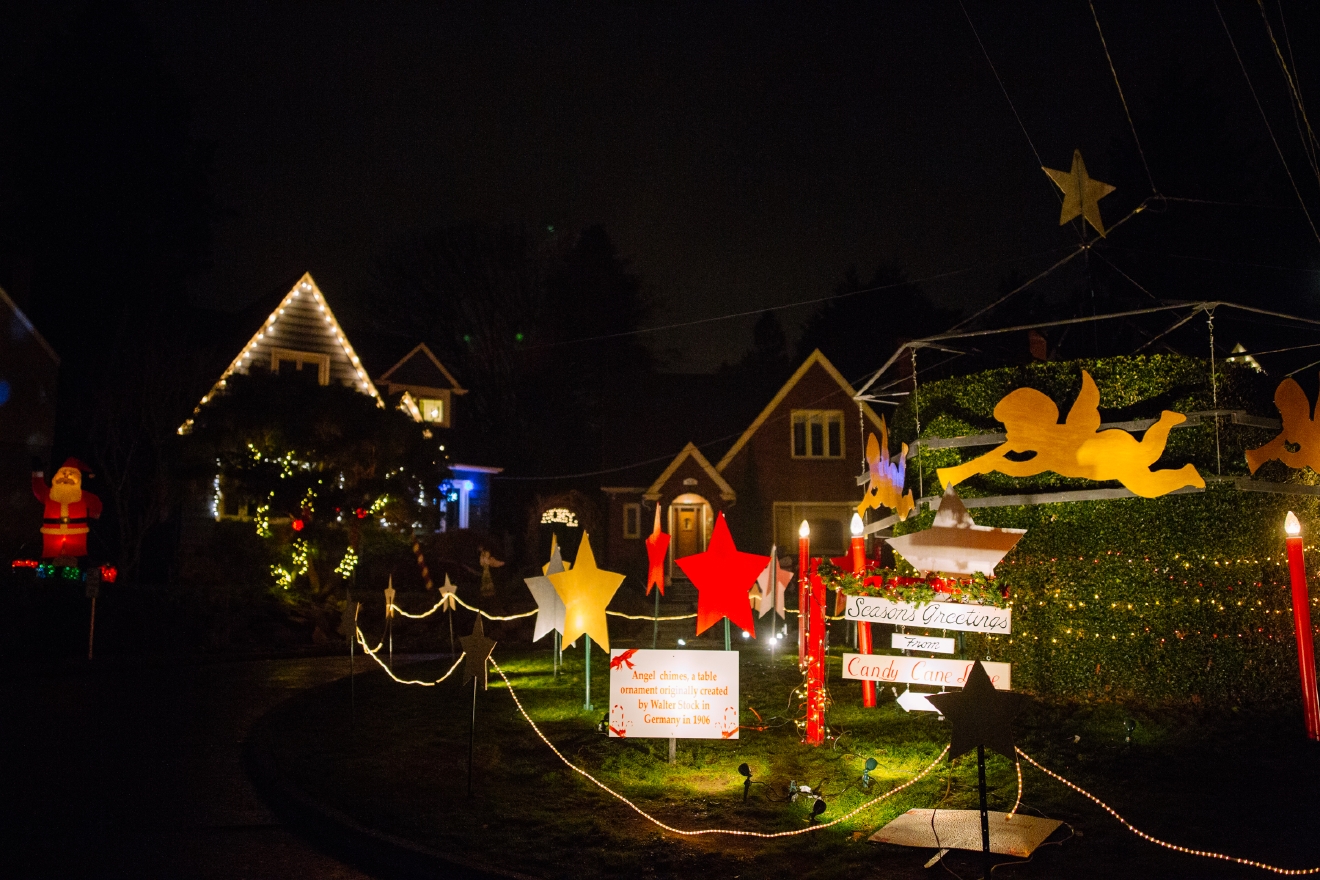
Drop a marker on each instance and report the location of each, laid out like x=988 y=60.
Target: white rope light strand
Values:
x=694 y=833
x=1294 y=872
x=372 y=654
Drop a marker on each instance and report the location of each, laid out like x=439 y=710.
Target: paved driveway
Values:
x=135 y=770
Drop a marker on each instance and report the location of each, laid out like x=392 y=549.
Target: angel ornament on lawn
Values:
x=68 y=508
x=487 y=563
x=1077 y=448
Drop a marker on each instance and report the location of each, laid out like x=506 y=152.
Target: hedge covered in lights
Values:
x=1178 y=598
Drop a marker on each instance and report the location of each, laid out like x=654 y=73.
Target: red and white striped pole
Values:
x=858 y=548
x=1301 y=601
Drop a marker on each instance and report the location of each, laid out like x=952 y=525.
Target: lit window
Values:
x=433 y=410
x=817 y=433
x=632 y=520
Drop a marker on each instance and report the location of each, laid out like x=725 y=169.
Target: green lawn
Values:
x=1243 y=782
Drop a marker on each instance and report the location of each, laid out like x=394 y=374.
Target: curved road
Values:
x=135 y=770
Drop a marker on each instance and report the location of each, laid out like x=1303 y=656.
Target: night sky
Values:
x=741 y=155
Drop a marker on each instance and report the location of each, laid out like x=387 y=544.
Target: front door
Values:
x=688 y=528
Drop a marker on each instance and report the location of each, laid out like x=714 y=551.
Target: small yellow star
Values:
x=1081 y=194
x=585 y=591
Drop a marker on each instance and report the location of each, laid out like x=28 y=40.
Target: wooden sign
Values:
x=919 y=670
x=680 y=694
x=1076 y=448
x=929 y=644
x=935 y=615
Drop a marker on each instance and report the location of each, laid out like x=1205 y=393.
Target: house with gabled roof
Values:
x=424 y=384
x=798 y=459
x=302 y=337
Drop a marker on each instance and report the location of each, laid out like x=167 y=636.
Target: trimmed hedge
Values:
x=1179 y=598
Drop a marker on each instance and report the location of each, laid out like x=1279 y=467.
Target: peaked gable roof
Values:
x=301 y=323
x=815 y=359
x=692 y=452
x=426 y=372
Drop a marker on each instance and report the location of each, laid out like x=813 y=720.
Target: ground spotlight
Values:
x=746 y=634
x=746 y=773
x=866 y=772
x=817 y=808
x=682 y=642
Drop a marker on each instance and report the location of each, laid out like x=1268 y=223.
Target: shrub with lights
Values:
x=1182 y=597
x=323 y=474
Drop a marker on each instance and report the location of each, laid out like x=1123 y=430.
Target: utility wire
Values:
x=805 y=302
x=1304 y=130
x=1266 y=120
x=1123 y=99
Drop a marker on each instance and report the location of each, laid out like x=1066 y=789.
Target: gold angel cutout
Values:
x=1298 y=443
x=1077 y=448
x=885 y=486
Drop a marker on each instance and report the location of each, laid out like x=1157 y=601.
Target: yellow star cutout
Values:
x=585 y=591
x=1081 y=194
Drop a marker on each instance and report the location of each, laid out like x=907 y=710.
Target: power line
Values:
x=1266 y=120
x=805 y=302
x=1123 y=99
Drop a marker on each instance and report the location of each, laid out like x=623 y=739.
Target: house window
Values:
x=817 y=433
x=433 y=410
x=632 y=520
x=313 y=366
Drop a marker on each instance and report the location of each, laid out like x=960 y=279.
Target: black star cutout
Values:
x=981 y=715
x=478 y=648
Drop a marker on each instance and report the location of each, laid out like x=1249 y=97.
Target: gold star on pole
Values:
x=477 y=648
x=1081 y=194
x=585 y=591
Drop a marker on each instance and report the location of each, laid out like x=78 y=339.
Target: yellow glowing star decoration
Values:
x=1077 y=448
x=585 y=591
x=1298 y=444
x=885 y=488
x=1081 y=194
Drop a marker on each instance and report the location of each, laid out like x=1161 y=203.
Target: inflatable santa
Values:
x=68 y=507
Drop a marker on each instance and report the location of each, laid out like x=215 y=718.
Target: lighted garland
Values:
x=889 y=583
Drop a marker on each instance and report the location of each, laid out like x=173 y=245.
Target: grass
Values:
x=1242 y=782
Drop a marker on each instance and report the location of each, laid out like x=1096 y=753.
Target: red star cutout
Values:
x=723 y=576
x=657 y=547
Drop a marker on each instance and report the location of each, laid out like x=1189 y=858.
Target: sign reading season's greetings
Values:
x=936 y=615
x=681 y=694
x=920 y=670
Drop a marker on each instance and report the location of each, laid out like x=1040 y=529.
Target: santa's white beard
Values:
x=65 y=494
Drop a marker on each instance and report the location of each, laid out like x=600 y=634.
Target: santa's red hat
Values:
x=76 y=465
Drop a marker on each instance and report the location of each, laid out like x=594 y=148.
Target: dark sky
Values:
x=742 y=155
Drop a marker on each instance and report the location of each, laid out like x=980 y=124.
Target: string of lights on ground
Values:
x=814 y=826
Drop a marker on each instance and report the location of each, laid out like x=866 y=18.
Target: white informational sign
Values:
x=930 y=644
x=935 y=615
x=919 y=670
x=681 y=694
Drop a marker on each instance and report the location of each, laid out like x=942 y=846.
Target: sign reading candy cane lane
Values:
x=680 y=694
x=919 y=670
x=936 y=615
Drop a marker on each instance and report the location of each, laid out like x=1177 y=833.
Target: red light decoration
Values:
x=25 y=563
x=108 y=574
x=298 y=525
x=360 y=512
